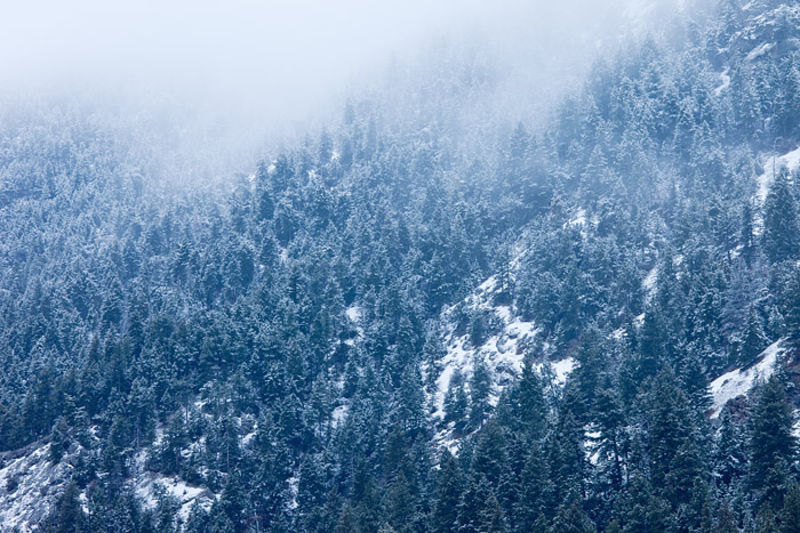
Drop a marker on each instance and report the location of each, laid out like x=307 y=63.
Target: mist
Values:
x=227 y=81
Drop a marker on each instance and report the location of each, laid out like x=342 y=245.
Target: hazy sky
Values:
x=278 y=62
x=288 y=51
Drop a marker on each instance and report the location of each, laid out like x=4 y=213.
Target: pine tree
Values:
x=746 y=235
x=790 y=515
x=612 y=447
x=219 y=522
x=754 y=340
x=400 y=504
x=456 y=402
x=492 y=517
x=535 y=490
x=694 y=379
x=447 y=494
x=791 y=308
x=780 y=220
x=672 y=448
x=197 y=520
x=489 y=457
x=473 y=508
x=571 y=518
x=730 y=455
x=642 y=509
x=725 y=521
x=480 y=386
x=772 y=444
x=68 y=516
x=566 y=456
x=528 y=400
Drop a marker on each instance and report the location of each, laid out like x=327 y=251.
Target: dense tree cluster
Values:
x=267 y=339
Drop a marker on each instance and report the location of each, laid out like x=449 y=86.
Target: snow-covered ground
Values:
x=503 y=352
x=725 y=82
x=772 y=165
x=592 y=445
x=339 y=415
x=789 y=160
x=248 y=439
x=294 y=483
x=148 y=485
x=739 y=382
x=759 y=51
x=579 y=218
x=354 y=314
x=649 y=283
x=29 y=486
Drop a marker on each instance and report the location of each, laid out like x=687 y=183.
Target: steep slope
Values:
x=31 y=483
x=299 y=351
x=741 y=381
x=485 y=329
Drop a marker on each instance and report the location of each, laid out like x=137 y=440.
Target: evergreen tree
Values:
x=480 y=386
x=790 y=515
x=447 y=494
x=746 y=234
x=571 y=518
x=772 y=444
x=456 y=402
x=68 y=516
x=780 y=220
x=791 y=309
x=477 y=507
x=754 y=340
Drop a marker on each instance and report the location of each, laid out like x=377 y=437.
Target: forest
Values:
x=279 y=351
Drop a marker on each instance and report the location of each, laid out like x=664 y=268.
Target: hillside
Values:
x=424 y=316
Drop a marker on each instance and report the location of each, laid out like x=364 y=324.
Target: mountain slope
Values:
x=589 y=325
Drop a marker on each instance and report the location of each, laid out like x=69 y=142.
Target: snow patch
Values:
x=759 y=51
x=503 y=351
x=739 y=382
x=725 y=82
x=354 y=313
x=649 y=283
x=247 y=440
x=563 y=369
x=579 y=219
x=339 y=415
x=294 y=483
x=772 y=165
x=30 y=486
x=148 y=485
x=592 y=445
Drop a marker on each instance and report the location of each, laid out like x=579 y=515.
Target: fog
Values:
x=234 y=77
